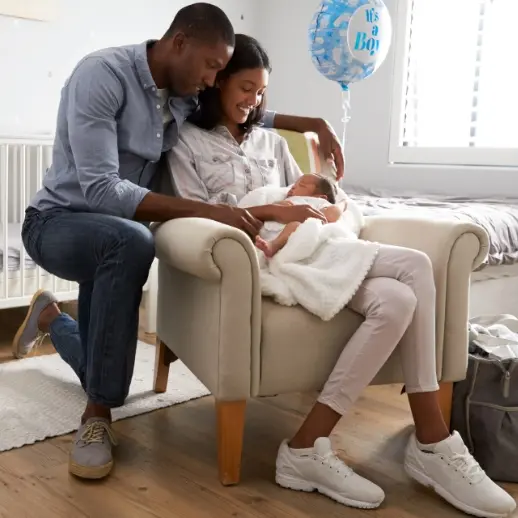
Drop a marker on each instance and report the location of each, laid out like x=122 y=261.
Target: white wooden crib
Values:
x=23 y=161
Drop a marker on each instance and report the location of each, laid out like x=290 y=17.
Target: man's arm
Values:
x=96 y=95
x=188 y=183
x=328 y=140
x=159 y=208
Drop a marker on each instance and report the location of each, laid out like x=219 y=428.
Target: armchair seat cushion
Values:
x=299 y=350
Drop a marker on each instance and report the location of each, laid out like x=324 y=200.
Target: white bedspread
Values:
x=321 y=267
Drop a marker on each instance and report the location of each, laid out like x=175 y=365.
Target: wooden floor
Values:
x=166 y=464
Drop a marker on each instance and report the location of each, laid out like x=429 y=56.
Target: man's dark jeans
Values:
x=110 y=258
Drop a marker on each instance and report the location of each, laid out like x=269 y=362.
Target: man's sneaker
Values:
x=319 y=469
x=28 y=335
x=455 y=475
x=91 y=456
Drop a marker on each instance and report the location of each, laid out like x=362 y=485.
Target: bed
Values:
x=494 y=288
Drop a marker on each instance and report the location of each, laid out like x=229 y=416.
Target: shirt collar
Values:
x=190 y=103
x=222 y=130
x=146 y=79
x=142 y=65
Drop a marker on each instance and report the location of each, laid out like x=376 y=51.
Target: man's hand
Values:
x=236 y=217
x=330 y=146
x=300 y=213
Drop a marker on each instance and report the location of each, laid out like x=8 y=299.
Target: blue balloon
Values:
x=349 y=39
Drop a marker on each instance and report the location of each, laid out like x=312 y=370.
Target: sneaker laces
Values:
x=334 y=462
x=40 y=338
x=94 y=433
x=465 y=464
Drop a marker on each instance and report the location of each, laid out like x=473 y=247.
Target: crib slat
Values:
x=4 y=207
x=23 y=203
x=13 y=188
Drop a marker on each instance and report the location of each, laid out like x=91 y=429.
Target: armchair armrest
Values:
x=189 y=244
x=209 y=303
x=433 y=237
x=455 y=249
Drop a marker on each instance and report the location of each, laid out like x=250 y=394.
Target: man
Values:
x=120 y=110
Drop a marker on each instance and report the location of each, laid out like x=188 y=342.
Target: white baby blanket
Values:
x=322 y=266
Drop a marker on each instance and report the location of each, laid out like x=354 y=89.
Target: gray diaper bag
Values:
x=485 y=413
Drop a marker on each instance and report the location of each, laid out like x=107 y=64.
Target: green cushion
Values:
x=299 y=148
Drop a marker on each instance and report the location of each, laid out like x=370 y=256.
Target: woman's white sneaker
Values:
x=319 y=469
x=455 y=475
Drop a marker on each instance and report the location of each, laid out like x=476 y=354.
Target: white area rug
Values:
x=41 y=397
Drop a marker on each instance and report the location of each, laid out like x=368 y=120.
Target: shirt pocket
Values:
x=269 y=169
x=217 y=173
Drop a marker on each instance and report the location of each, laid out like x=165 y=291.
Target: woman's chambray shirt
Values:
x=211 y=166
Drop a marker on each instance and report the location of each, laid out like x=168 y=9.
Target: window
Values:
x=456 y=83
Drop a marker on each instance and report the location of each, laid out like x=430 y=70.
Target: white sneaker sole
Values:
x=297 y=484
x=426 y=481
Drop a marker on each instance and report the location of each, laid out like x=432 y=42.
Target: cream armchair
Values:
x=212 y=317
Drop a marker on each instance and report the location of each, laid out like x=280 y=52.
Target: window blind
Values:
x=458 y=83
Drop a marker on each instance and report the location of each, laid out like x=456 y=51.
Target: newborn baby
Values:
x=311 y=189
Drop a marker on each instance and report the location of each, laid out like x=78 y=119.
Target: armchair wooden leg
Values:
x=446 y=401
x=231 y=427
x=163 y=358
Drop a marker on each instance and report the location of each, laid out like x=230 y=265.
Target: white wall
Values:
x=297 y=87
x=36 y=57
x=295 y=84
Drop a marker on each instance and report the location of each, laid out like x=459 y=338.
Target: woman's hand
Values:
x=330 y=146
x=328 y=141
x=300 y=213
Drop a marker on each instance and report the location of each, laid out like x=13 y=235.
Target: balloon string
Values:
x=346 y=105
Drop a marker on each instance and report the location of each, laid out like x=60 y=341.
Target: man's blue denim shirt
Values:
x=110 y=135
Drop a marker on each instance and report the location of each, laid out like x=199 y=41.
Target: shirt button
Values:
x=158 y=107
x=158 y=135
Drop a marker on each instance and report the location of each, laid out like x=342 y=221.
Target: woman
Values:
x=223 y=155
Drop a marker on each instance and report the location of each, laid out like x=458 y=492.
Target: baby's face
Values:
x=305 y=186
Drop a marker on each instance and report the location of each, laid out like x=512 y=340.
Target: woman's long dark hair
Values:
x=248 y=54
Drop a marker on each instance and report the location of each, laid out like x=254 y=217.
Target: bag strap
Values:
x=471 y=446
